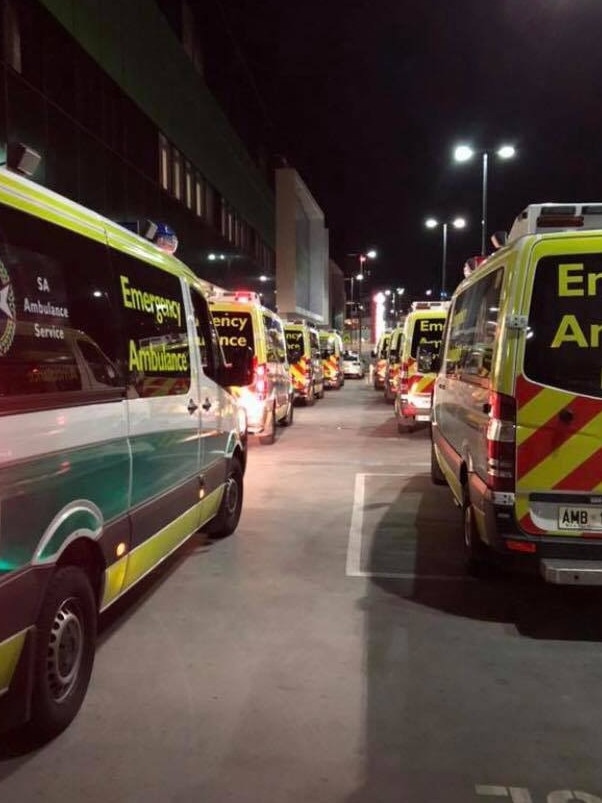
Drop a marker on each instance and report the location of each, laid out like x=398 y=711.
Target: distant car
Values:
x=353 y=367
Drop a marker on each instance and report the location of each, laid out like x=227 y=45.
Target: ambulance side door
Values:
x=215 y=404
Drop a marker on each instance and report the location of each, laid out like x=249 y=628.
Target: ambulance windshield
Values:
x=427 y=330
x=235 y=330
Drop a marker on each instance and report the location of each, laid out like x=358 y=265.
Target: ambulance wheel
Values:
x=288 y=418
x=269 y=434
x=230 y=508
x=405 y=425
x=66 y=635
x=475 y=551
x=310 y=399
x=437 y=476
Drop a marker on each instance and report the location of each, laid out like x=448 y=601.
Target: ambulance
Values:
x=393 y=363
x=305 y=361
x=381 y=354
x=517 y=410
x=119 y=437
x=420 y=342
x=247 y=328
x=331 y=346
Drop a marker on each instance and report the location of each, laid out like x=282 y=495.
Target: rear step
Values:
x=572 y=572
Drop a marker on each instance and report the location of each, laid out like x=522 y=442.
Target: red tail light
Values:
x=259 y=384
x=402 y=379
x=501 y=442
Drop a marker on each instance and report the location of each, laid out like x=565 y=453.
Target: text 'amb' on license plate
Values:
x=580 y=518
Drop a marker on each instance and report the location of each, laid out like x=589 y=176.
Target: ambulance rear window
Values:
x=564 y=340
x=235 y=331
x=427 y=330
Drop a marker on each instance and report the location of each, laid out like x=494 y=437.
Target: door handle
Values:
x=206 y=405
x=192 y=406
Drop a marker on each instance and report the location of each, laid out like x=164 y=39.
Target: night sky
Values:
x=367 y=100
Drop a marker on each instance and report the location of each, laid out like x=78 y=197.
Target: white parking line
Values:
x=353 y=566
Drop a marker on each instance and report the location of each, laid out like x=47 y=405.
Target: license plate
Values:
x=580 y=518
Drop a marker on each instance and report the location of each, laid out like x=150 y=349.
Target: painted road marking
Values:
x=521 y=795
x=353 y=566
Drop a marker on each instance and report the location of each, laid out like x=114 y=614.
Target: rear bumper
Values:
x=564 y=561
x=572 y=572
x=416 y=407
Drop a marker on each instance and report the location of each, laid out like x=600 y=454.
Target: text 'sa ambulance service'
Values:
x=517 y=415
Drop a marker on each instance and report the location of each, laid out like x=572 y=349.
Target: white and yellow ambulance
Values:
x=119 y=438
x=420 y=342
x=305 y=361
x=331 y=345
x=247 y=328
x=517 y=415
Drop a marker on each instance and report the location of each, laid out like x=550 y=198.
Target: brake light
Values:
x=501 y=442
x=403 y=379
x=244 y=295
x=259 y=384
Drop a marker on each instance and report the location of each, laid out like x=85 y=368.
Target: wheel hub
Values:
x=65 y=650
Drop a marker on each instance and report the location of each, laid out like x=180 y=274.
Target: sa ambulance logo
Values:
x=7 y=311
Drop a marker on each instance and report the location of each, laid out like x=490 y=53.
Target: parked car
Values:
x=353 y=367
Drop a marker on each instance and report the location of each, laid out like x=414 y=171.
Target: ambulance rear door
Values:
x=559 y=391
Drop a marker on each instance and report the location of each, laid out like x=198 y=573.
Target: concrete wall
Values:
x=302 y=276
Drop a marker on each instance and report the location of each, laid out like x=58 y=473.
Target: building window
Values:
x=177 y=174
x=164 y=162
x=199 y=195
x=12 y=36
x=188 y=185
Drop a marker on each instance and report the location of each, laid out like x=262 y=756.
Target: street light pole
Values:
x=432 y=223
x=363 y=257
x=484 y=204
x=463 y=153
x=444 y=260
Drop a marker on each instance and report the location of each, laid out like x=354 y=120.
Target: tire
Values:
x=437 y=476
x=230 y=508
x=405 y=425
x=269 y=435
x=65 y=646
x=476 y=554
x=288 y=418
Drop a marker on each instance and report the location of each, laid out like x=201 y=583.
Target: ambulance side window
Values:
x=56 y=292
x=276 y=346
x=157 y=352
x=473 y=327
x=208 y=340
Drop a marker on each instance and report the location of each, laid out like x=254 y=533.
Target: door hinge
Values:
x=520 y=322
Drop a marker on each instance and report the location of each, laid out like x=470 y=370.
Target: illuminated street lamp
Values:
x=432 y=223
x=462 y=153
x=362 y=257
